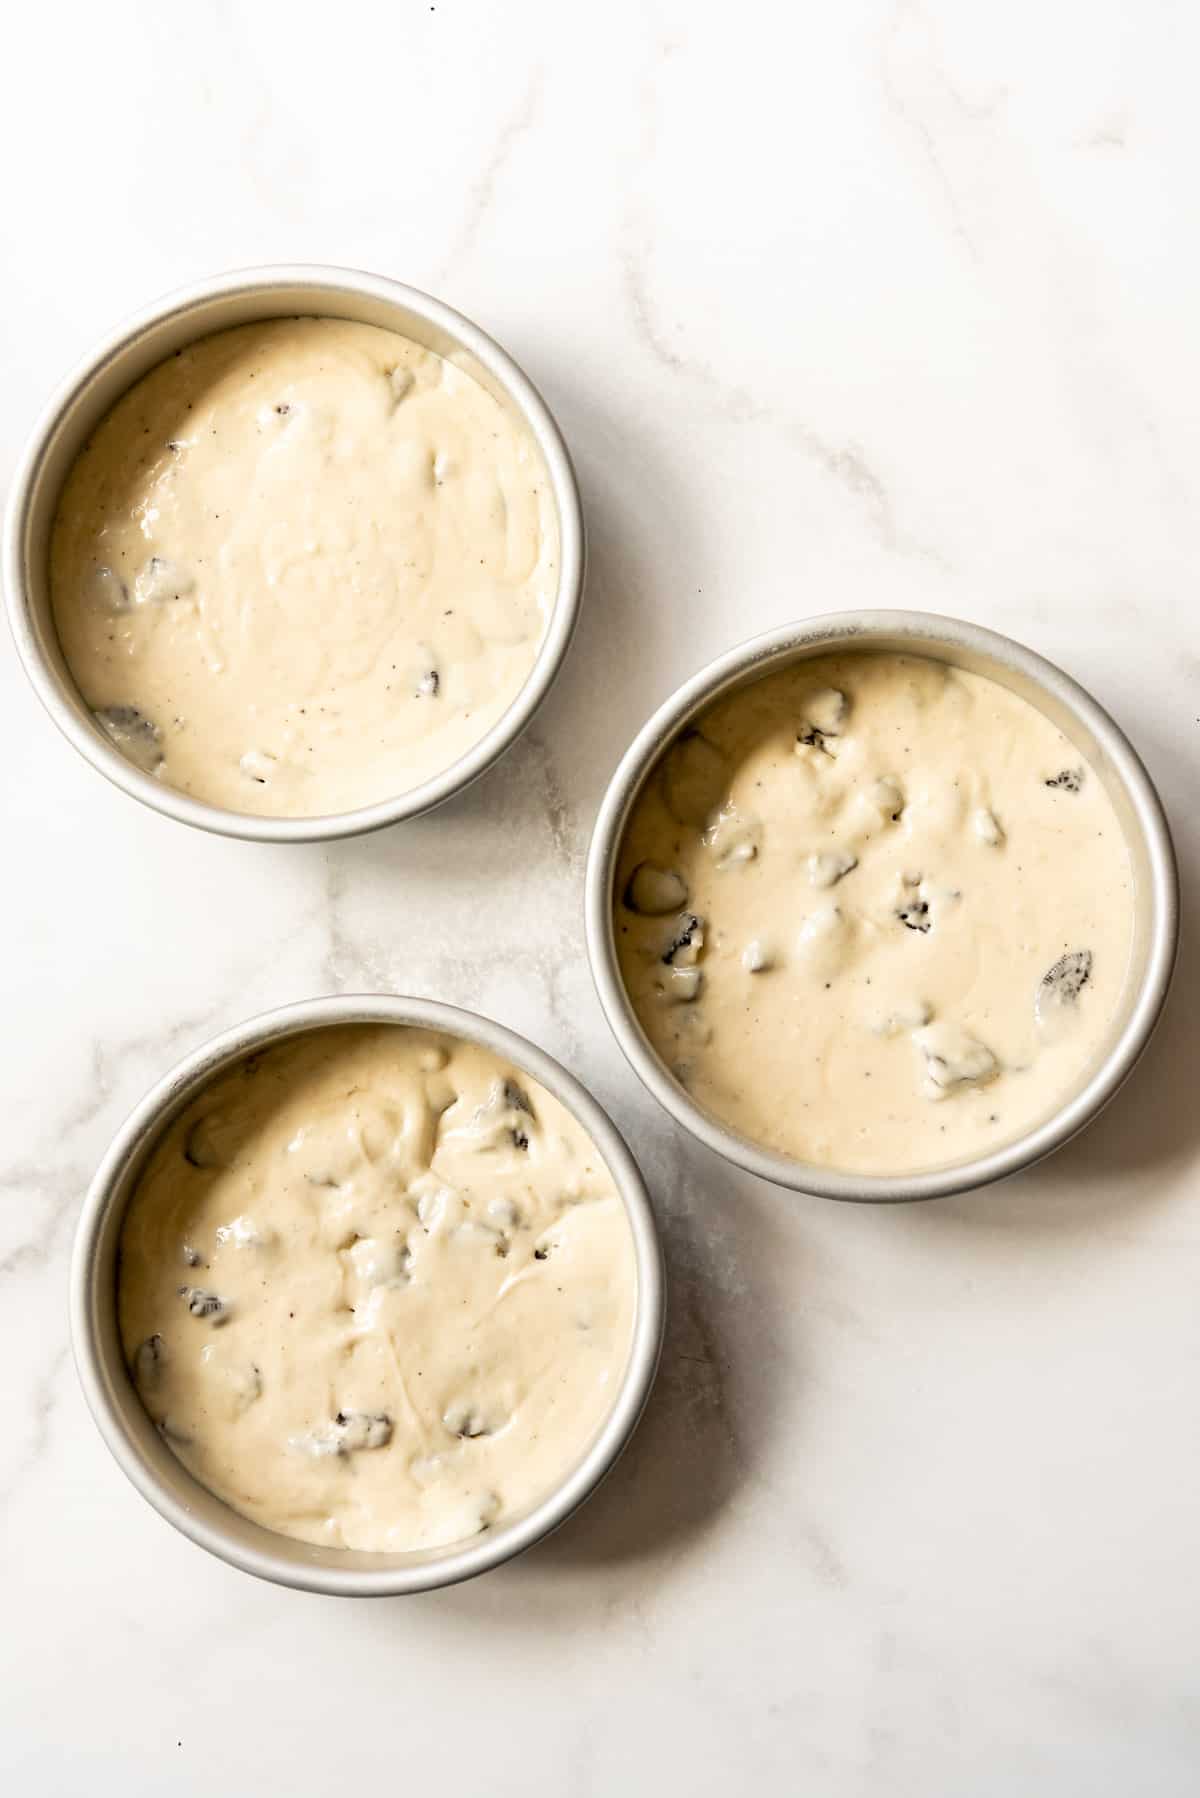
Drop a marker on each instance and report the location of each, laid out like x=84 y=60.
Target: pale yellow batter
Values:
x=875 y=913
x=303 y=566
x=376 y=1289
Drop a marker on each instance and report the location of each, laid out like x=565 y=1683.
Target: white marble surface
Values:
x=837 y=305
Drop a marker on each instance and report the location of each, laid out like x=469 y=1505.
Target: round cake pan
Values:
x=132 y=1437
x=247 y=296
x=1076 y=714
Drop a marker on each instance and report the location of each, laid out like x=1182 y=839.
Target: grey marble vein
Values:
x=908 y=38
x=481 y=194
x=43 y=1392
x=845 y=464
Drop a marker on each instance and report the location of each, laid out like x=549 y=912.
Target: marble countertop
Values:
x=837 y=305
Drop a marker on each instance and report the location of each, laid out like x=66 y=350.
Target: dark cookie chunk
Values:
x=349 y=1432
x=106 y=590
x=988 y=828
x=506 y=1118
x=258 y=765
x=148 y=1362
x=914 y=915
x=1067 y=780
x=361 y=1429
x=690 y=928
x=1059 y=988
x=1069 y=975
x=824 y=714
x=401 y=381
x=517 y=1099
x=207 y=1305
x=827 y=867
x=953 y=1059
x=162 y=581
x=470 y=1421
x=135 y=735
